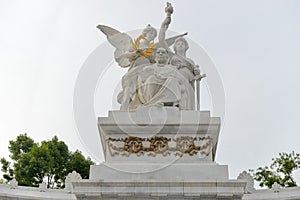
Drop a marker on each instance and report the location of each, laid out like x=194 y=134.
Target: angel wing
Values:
x=121 y=41
x=170 y=41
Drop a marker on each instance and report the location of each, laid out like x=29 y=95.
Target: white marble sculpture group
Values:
x=157 y=75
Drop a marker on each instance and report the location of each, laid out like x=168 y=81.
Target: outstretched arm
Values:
x=164 y=26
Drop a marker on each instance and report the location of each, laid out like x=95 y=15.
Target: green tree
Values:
x=28 y=170
x=79 y=164
x=21 y=145
x=49 y=161
x=280 y=170
x=60 y=152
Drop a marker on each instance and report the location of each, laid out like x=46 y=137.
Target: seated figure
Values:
x=160 y=84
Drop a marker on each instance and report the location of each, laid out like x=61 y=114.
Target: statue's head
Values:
x=161 y=56
x=181 y=45
x=149 y=32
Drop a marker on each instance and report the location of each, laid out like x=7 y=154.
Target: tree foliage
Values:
x=9 y=172
x=77 y=161
x=21 y=145
x=50 y=161
x=280 y=170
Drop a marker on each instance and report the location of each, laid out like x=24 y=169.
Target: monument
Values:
x=159 y=144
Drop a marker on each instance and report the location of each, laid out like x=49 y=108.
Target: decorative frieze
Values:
x=165 y=146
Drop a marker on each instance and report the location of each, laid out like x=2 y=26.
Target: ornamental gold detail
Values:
x=164 y=146
x=143 y=52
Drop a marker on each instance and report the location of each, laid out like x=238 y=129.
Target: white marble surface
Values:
x=33 y=193
x=96 y=189
x=149 y=122
x=292 y=193
x=173 y=172
x=150 y=189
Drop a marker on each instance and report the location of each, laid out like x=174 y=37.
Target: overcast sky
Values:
x=254 y=45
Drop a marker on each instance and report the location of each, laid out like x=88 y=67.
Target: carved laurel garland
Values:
x=144 y=52
x=159 y=145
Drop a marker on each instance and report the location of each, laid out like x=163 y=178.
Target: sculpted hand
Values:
x=196 y=70
x=133 y=55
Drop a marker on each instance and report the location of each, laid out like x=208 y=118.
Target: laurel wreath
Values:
x=145 y=52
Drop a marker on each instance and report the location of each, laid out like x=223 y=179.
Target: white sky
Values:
x=254 y=44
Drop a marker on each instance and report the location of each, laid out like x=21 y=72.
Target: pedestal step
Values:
x=162 y=172
x=205 y=190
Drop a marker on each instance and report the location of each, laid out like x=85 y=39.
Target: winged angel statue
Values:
x=165 y=69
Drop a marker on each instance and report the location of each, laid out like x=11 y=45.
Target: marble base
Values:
x=159 y=134
x=173 y=172
x=159 y=153
x=205 y=190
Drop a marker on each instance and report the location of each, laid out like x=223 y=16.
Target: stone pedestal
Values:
x=159 y=152
x=159 y=134
x=155 y=189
